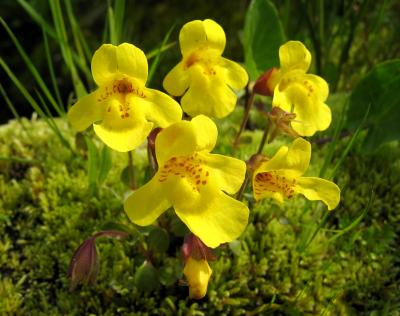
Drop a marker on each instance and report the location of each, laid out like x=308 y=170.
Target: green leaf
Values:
x=379 y=89
x=178 y=228
x=93 y=164
x=263 y=35
x=158 y=240
x=124 y=176
x=146 y=277
x=105 y=164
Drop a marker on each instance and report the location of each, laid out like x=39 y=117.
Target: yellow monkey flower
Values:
x=122 y=110
x=195 y=182
x=197 y=273
x=281 y=177
x=204 y=77
x=297 y=91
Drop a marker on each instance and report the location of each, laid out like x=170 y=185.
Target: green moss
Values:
x=46 y=211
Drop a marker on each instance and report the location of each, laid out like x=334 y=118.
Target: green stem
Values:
x=263 y=139
x=247 y=177
x=239 y=195
x=132 y=180
x=150 y=158
x=249 y=104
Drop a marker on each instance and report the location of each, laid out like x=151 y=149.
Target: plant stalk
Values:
x=249 y=104
x=132 y=179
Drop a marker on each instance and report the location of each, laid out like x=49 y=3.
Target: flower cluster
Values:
x=196 y=183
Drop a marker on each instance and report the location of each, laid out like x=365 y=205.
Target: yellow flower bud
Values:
x=197 y=273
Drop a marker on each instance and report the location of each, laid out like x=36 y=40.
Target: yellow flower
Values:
x=194 y=182
x=204 y=77
x=197 y=273
x=281 y=177
x=121 y=108
x=299 y=92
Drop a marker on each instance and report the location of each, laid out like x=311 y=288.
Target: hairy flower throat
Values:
x=273 y=182
x=191 y=168
x=120 y=90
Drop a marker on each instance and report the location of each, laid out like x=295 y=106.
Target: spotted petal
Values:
x=208 y=94
x=311 y=113
x=123 y=130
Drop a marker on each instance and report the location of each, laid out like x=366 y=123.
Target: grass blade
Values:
x=82 y=47
x=65 y=47
x=33 y=103
x=37 y=18
x=157 y=59
x=32 y=69
x=51 y=69
x=111 y=25
x=119 y=14
x=51 y=32
x=13 y=109
x=335 y=140
x=303 y=246
x=155 y=51
x=357 y=221
x=349 y=144
x=115 y=20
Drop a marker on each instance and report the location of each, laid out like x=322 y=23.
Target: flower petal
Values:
x=319 y=189
x=295 y=159
x=146 y=204
x=206 y=132
x=236 y=75
x=184 y=138
x=259 y=193
x=110 y=60
x=86 y=111
x=228 y=172
x=312 y=114
x=221 y=219
x=313 y=119
x=208 y=94
x=198 y=34
x=124 y=139
x=317 y=87
x=197 y=273
x=161 y=108
x=294 y=55
x=176 y=81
